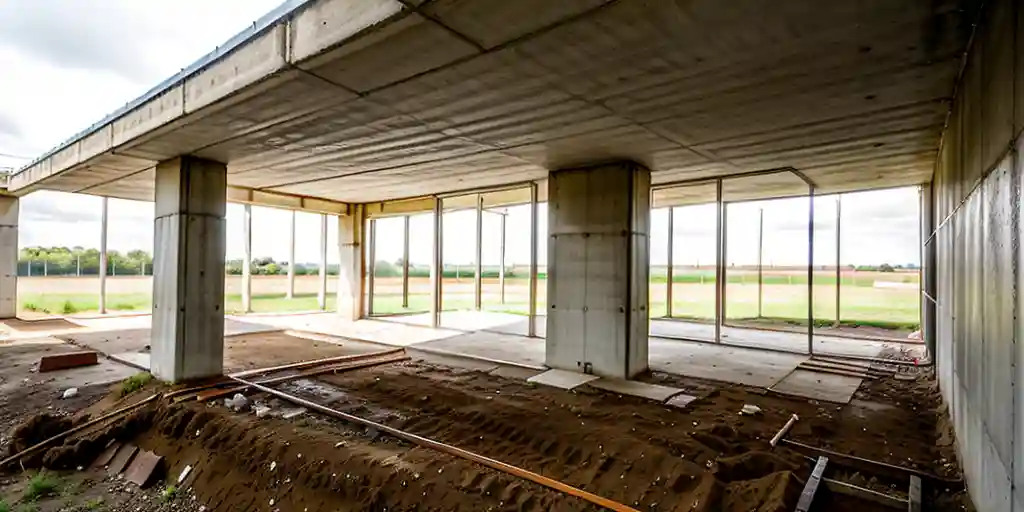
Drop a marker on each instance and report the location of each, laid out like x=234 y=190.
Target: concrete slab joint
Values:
x=188 y=269
x=598 y=248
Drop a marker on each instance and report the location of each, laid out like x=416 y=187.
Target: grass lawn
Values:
x=69 y=303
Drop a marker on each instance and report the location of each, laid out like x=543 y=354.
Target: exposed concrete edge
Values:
x=245 y=195
x=449 y=353
x=294 y=27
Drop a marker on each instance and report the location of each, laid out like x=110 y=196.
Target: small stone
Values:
x=70 y=393
x=273 y=465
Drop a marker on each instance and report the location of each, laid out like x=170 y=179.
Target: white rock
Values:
x=261 y=410
x=750 y=410
x=70 y=393
x=238 y=402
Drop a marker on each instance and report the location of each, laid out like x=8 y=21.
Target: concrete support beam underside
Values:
x=8 y=256
x=598 y=247
x=188 y=270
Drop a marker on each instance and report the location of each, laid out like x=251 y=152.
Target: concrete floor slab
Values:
x=681 y=401
x=635 y=388
x=771 y=340
x=493 y=346
x=819 y=386
x=515 y=372
x=738 y=365
x=562 y=379
x=388 y=331
x=18 y=360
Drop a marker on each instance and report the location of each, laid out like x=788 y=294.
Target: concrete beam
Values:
x=285 y=201
x=188 y=270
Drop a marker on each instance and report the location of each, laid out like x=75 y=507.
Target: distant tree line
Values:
x=65 y=261
x=268 y=267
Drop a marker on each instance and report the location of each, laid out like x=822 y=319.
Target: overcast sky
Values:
x=68 y=63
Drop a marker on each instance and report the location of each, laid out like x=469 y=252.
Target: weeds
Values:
x=68 y=308
x=4 y=506
x=93 y=504
x=168 y=494
x=42 y=484
x=135 y=383
x=123 y=306
x=27 y=507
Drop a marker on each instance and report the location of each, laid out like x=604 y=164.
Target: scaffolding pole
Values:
x=760 y=262
x=839 y=271
x=371 y=271
x=718 y=261
x=247 y=259
x=532 y=329
x=810 y=270
x=668 y=270
x=405 y=264
x=437 y=265
x=321 y=294
x=291 y=259
x=103 y=257
x=478 y=282
x=501 y=258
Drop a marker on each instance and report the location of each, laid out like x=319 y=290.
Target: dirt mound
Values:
x=776 y=492
x=751 y=465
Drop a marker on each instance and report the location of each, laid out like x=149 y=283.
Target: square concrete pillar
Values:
x=598 y=222
x=8 y=257
x=188 y=269
x=352 y=267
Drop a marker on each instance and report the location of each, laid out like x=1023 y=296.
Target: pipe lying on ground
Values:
x=39 y=446
x=448 y=449
x=355 y=365
x=785 y=428
x=316 y=362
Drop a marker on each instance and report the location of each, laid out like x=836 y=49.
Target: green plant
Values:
x=27 y=507
x=93 y=504
x=42 y=484
x=135 y=383
x=4 y=506
x=122 y=306
x=169 y=492
x=29 y=306
x=68 y=308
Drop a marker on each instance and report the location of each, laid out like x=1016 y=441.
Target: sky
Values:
x=68 y=63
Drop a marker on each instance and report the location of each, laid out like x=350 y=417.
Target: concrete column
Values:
x=321 y=294
x=371 y=270
x=598 y=265
x=188 y=269
x=103 y=256
x=669 y=271
x=928 y=269
x=291 y=259
x=8 y=257
x=531 y=330
x=247 y=259
x=352 y=263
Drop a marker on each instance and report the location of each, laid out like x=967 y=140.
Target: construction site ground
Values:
x=700 y=454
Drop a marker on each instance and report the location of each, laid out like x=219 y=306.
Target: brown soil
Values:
x=637 y=452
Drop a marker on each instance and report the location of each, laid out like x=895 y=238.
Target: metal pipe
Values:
x=247 y=259
x=321 y=296
x=718 y=261
x=782 y=432
x=928 y=271
x=669 y=274
x=534 y=219
x=478 y=283
x=839 y=261
x=810 y=270
x=725 y=260
x=437 y=265
x=103 y=256
x=501 y=259
x=291 y=258
x=372 y=264
x=760 y=262
x=445 y=448
x=405 y=265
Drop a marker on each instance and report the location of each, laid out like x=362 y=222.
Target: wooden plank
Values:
x=833 y=366
x=914 y=496
x=811 y=487
x=865 y=494
x=55 y=362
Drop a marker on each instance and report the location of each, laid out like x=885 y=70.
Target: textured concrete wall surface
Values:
x=977 y=213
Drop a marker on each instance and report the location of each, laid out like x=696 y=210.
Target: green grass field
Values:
x=70 y=303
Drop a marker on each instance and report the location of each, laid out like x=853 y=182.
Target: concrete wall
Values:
x=976 y=189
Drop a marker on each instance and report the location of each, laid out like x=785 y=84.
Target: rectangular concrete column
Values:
x=352 y=267
x=188 y=269
x=598 y=246
x=8 y=257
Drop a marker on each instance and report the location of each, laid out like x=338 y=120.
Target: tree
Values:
x=272 y=269
x=885 y=267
